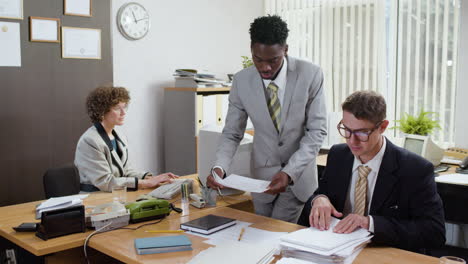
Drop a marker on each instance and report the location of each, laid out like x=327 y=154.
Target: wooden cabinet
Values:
x=186 y=110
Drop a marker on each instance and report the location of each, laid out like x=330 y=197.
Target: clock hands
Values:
x=142 y=19
x=134 y=17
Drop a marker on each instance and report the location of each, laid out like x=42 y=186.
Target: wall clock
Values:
x=133 y=21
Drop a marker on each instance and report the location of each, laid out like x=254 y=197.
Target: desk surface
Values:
x=14 y=215
x=119 y=243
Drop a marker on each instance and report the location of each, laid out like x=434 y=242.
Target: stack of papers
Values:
x=56 y=203
x=196 y=79
x=454 y=178
x=324 y=246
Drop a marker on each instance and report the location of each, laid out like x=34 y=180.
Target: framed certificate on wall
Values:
x=43 y=29
x=81 y=43
x=12 y=9
x=77 y=7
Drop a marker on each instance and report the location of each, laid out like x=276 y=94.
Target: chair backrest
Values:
x=61 y=181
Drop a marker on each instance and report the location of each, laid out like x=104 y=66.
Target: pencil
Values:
x=241 y=234
x=164 y=231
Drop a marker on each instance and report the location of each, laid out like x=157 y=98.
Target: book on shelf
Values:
x=162 y=244
x=208 y=224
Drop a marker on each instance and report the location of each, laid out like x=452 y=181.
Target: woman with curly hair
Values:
x=102 y=152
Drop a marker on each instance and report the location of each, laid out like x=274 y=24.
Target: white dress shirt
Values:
x=374 y=165
x=280 y=81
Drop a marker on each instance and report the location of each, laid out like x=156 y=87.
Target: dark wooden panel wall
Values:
x=42 y=106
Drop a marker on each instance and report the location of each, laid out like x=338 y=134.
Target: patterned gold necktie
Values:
x=274 y=106
x=360 y=192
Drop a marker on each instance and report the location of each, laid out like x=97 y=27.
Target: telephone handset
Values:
x=464 y=163
x=463 y=166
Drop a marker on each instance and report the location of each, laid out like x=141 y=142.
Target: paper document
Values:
x=243 y=183
x=326 y=242
x=10 y=48
x=56 y=203
x=454 y=178
x=237 y=252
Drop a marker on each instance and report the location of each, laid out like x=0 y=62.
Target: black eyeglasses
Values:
x=361 y=134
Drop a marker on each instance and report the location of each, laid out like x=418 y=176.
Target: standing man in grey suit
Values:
x=283 y=96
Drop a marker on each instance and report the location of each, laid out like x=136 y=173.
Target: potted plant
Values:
x=246 y=62
x=422 y=124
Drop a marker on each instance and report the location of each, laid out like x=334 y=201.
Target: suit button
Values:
x=280 y=144
x=283 y=165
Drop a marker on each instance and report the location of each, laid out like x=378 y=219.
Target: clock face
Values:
x=133 y=21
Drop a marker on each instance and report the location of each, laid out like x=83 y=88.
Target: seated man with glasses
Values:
x=372 y=184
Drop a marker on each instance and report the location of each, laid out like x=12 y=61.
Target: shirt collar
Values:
x=280 y=79
x=374 y=163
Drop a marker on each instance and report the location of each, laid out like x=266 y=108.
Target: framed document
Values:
x=42 y=29
x=81 y=43
x=77 y=7
x=10 y=53
x=11 y=9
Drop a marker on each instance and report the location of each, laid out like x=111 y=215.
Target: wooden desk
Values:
x=119 y=244
x=14 y=215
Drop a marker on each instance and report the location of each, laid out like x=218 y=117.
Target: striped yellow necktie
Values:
x=360 y=192
x=274 y=106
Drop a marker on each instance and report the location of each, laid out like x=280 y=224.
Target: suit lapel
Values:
x=346 y=170
x=115 y=157
x=386 y=178
x=117 y=161
x=291 y=78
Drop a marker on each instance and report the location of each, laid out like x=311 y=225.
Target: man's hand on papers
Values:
x=320 y=215
x=212 y=183
x=278 y=184
x=351 y=223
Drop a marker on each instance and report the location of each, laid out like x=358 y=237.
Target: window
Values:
x=405 y=50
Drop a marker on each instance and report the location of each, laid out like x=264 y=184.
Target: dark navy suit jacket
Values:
x=406 y=208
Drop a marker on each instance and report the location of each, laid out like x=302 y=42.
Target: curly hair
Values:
x=102 y=99
x=269 y=30
x=367 y=105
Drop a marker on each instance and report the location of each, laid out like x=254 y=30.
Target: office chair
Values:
x=61 y=181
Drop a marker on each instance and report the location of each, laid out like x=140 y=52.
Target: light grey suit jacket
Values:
x=102 y=167
x=303 y=127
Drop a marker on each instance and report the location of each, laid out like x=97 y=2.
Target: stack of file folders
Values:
x=195 y=79
x=324 y=246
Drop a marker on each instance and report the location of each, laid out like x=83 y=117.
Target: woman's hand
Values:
x=154 y=181
x=165 y=177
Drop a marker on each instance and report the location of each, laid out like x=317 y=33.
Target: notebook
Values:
x=208 y=224
x=162 y=244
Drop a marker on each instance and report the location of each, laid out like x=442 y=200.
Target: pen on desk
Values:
x=241 y=234
x=200 y=182
x=164 y=231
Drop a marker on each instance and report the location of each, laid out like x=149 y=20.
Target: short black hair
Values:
x=269 y=30
x=367 y=105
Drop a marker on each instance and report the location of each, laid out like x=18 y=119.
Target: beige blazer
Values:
x=303 y=127
x=100 y=165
